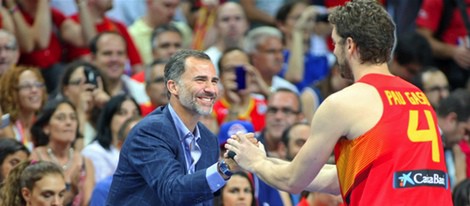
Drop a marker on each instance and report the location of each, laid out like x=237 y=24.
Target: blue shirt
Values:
x=214 y=179
x=316 y=68
x=100 y=193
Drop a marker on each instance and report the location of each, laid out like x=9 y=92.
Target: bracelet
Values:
x=13 y=9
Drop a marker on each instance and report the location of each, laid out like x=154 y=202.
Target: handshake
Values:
x=247 y=147
x=249 y=136
x=230 y=155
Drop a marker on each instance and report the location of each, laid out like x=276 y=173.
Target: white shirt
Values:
x=104 y=161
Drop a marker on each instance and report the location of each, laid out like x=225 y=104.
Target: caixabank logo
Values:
x=416 y=178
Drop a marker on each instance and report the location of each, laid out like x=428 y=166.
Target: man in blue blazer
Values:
x=170 y=158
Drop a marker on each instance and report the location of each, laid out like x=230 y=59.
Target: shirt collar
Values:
x=181 y=129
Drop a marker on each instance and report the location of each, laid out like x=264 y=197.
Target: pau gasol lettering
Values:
x=415 y=178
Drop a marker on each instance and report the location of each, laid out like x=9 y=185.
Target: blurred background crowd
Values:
x=76 y=75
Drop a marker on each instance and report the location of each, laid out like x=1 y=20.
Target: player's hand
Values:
x=248 y=151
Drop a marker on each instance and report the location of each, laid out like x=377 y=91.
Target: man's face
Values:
x=340 y=53
x=197 y=88
x=111 y=56
x=455 y=132
x=9 y=52
x=165 y=10
x=268 y=57
x=167 y=44
x=298 y=135
x=231 y=23
x=156 y=87
x=435 y=86
x=283 y=111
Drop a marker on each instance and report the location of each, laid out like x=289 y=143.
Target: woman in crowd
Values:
x=104 y=151
x=12 y=152
x=23 y=94
x=100 y=193
x=33 y=183
x=237 y=191
x=54 y=133
x=81 y=84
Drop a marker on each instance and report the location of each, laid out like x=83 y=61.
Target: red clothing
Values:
x=400 y=161
x=430 y=15
x=45 y=58
x=107 y=25
x=139 y=77
x=257 y=110
x=146 y=108
x=465 y=147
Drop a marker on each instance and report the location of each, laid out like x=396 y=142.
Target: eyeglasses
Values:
x=438 y=89
x=75 y=82
x=9 y=47
x=30 y=86
x=62 y=117
x=284 y=110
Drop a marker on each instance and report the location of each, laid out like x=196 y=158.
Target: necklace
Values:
x=54 y=158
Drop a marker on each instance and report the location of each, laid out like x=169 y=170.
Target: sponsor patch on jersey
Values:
x=416 y=178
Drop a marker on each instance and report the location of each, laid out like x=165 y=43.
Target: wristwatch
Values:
x=224 y=169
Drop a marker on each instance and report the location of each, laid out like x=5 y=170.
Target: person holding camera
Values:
x=81 y=83
x=301 y=24
x=239 y=79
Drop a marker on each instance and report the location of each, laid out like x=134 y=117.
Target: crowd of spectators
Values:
x=73 y=72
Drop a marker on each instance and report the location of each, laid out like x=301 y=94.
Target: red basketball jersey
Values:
x=400 y=161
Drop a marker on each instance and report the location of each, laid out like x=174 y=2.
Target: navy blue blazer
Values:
x=152 y=166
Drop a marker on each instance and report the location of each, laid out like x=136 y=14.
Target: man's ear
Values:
x=452 y=117
x=172 y=87
x=350 y=45
x=26 y=194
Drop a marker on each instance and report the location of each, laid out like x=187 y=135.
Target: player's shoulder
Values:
x=354 y=94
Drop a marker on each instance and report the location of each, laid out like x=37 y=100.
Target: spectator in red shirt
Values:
x=97 y=10
x=40 y=46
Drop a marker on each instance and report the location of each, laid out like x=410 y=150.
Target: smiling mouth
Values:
x=208 y=100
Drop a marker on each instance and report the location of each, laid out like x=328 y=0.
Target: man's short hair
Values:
x=256 y=36
x=162 y=29
x=96 y=39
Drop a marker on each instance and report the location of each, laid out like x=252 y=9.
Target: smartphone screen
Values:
x=90 y=76
x=241 y=77
x=5 y=121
